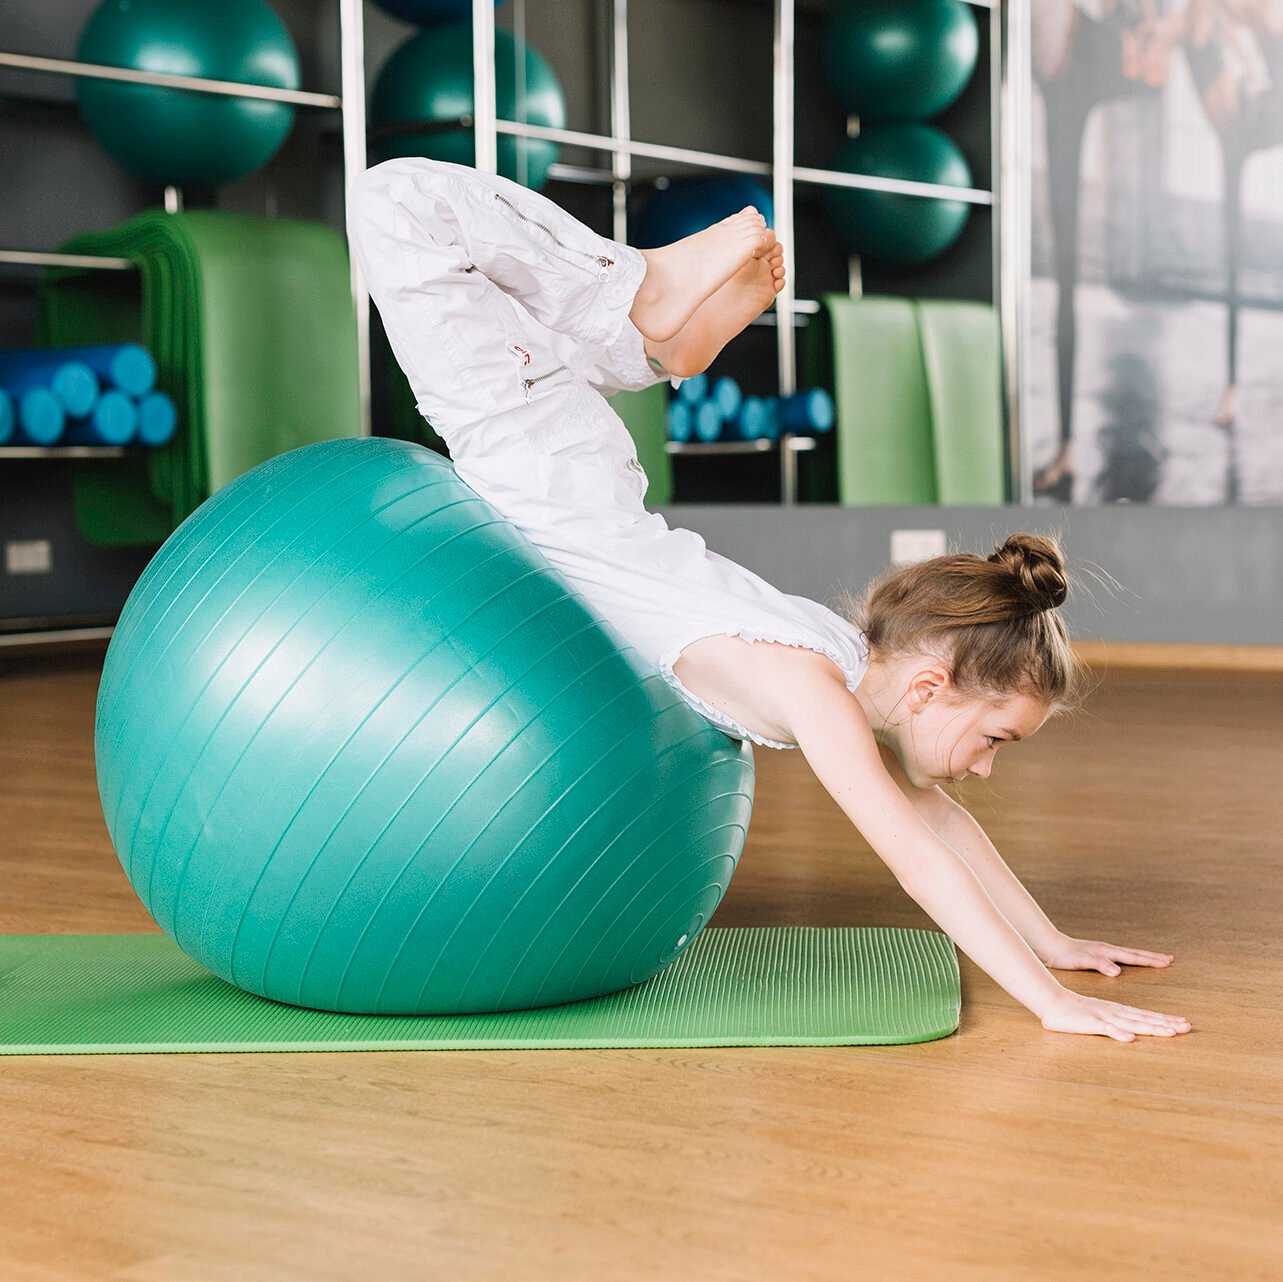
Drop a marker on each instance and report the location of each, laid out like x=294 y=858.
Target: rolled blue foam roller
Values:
x=41 y=418
x=726 y=392
x=680 y=424
x=8 y=420
x=72 y=382
x=128 y=366
x=810 y=411
x=113 y=421
x=157 y=419
x=708 y=421
x=694 y=388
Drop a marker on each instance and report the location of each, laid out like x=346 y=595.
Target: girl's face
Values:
x=947 y=737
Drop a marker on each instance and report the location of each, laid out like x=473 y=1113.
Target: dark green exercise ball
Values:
x=899 y=59
x=430 y=78
x=889 y=227
x=180 y=137
x=361 y=747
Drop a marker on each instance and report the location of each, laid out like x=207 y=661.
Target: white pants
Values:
x=510 y=319
x=508 y=316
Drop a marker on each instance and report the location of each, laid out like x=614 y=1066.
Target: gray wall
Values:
x=1187 y=574
x=1195 y=575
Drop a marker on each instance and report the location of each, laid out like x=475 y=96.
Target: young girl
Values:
x=511 y=319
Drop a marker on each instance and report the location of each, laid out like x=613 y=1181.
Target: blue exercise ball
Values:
x=899 y=59
x=426 y=12
x=887 y=226
x=177 y=136
x=429 y=78
x=688 y=205
x=361 y=748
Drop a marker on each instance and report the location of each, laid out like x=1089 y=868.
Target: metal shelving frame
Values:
x=349 y=102
x=784 y=174
x=1008 y=40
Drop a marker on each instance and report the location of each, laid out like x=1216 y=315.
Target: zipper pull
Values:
x=527 y=383
x=603 y=275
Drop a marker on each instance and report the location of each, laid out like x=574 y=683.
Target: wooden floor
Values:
x=1003 y=1152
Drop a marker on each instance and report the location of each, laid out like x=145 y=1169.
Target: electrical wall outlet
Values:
x=29 y=556
x=916 y=545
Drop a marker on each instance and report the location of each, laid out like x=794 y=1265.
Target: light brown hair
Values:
x=996 y=620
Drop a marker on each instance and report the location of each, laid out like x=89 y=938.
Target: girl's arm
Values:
x=834 y=735
x=837 y=741
x=959 y=830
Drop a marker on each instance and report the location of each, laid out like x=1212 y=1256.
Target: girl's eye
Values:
x=992 y=739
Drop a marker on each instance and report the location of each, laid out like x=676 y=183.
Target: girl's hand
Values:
x=1074 y=1013
x=1068 y=953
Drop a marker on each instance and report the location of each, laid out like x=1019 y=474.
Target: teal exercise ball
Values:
x=889 y=227
x=430 y=78
x=180 y=137
x=361 y=748
x=899 y=59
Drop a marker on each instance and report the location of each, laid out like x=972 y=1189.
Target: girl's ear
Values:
x=932 y=681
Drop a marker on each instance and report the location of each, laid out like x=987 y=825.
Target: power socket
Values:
x=908 y=546
x=28 y=556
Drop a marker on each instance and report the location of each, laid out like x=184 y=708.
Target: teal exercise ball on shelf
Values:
x=361 y=748
x=430 y=78
x=899 y=59
x=426 y=12
x=889 y=227
x=688 y=205
x=180 y=137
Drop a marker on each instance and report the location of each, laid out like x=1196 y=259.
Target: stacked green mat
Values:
x=735 y=986
x=917 y=386
x=251 y=322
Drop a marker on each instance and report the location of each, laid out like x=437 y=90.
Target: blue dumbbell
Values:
x=709 y=421
x=680 y=420
x=809 y=412
x=727 y=396
x=693 y=389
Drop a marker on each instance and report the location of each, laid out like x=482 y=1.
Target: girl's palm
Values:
x=1074 y=1013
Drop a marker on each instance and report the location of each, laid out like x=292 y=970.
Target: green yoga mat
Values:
x=735 y=986
x=884 y=447
x=960 y=357
x=251 y=322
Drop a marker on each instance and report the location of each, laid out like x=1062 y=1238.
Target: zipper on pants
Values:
x=602 y=263
x=529 y=383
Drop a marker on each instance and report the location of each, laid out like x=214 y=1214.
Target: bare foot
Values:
x=1227 y=410
x=1055 y=471
x=682 y=275
x=722 y=315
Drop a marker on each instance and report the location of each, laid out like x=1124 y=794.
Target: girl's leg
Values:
x=482 y=369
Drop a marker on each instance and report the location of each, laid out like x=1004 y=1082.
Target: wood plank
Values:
x=1153 y=654
x=1151 y=819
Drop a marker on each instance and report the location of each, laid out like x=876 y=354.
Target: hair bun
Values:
x=1037 y=564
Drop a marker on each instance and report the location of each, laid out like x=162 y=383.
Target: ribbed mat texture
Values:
x=735 y=986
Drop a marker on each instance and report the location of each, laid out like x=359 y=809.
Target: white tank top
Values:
x=659 y=587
